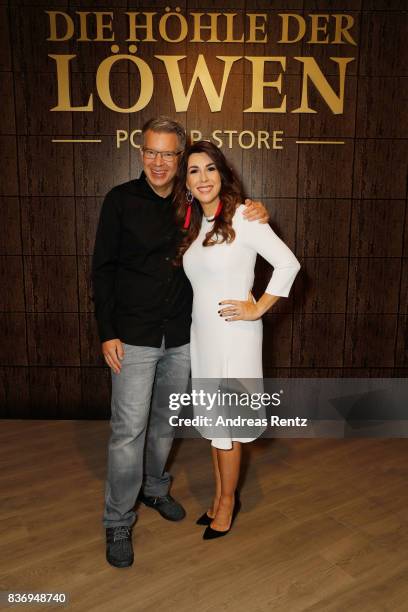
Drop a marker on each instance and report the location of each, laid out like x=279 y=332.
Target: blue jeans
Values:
x=140 y=427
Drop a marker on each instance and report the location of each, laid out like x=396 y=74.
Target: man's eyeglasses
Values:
x=167 y=156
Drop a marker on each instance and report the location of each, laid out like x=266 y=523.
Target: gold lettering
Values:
x=135 y=145
x=230 y=135
x=316 y=28
x=103 y=83
x=285 y=27
x=255 y=27
x=312 y=71
x=202 y=74
x=276 y=139
x=263 y=139
x=251 y=141
x=83 y=36
x=63 y=83
x=342 y=30
x=230 y=29
x=133 y=26
x=259 y=84
x=195 y=135
x=121 y=136
x=213 y=27
x=53 y=26
x=163 y=27
x=218 y=141
x=101 y=26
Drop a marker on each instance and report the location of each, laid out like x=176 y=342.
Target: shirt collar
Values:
x=149 y=191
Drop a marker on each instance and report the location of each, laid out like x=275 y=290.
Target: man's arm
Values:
x=256 y=211
x=104 y=267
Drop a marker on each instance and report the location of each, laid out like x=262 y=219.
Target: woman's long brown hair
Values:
x=230 y=196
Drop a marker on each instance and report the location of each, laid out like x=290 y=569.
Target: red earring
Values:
x=219 y=209
x=189 y=201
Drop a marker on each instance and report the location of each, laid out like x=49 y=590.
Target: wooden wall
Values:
x=342 y=209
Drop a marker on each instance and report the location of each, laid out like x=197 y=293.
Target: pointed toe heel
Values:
x=204 y=519
x=212 y=534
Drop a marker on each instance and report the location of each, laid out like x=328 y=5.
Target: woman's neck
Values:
x=210 y=209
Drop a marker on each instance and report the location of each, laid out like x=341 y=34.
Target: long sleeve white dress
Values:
x=232 y=350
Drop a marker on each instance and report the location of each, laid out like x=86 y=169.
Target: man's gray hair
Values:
x=168 y=125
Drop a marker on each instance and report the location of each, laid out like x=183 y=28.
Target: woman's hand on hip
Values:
x=240 y=310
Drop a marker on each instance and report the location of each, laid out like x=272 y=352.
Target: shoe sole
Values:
x=168 y=518
x=119 y=564
x=204 y=522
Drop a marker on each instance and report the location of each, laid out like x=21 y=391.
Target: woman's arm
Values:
x=264 y=241
x=239 y=310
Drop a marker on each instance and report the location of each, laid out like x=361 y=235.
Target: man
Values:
x=143 y=310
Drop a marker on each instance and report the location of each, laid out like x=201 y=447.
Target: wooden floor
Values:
x=324 y=526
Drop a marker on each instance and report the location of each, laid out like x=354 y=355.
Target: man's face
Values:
x=159 y=172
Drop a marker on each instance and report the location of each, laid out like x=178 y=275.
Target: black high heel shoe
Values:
x=211 y=534
x=204 y=519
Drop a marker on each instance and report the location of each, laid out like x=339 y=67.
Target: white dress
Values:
x=223 y=350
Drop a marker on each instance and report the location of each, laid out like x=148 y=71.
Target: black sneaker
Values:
x=119 y=549
x=168 y=507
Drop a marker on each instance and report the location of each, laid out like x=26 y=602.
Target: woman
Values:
x=218 y=252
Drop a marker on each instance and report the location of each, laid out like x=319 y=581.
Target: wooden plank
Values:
x=378 y=27
x=48 y=225
x=321 y=527
x=38 y=90
x=321 y=286
x=323 y=121
x=277 y=329
x=52 y=390
x=322 y=228
x=8 y=159
x=373 y=222
x=376 y=95
x=401 y=353
x=10 y=241
x=5 y=47
x=318 y=340
x=53 y=339
x=45 y=168
x=368 y=277
x=11 y=281
x=320 y=169
x=323 y=53
x=87 y=216
x=13 y=348
x=51 y=283
x=373 y=159
x=30 y=46
x=99 y=166
x=8 y=123
x=91 y=354
x=380 y=350
x=14 y=393
x=102 y=120
x=269 y=173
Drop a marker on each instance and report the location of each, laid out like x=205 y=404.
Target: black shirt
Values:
x=139 y=295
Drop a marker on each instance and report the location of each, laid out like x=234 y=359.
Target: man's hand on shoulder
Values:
x=113 y=352
x=256 y=211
